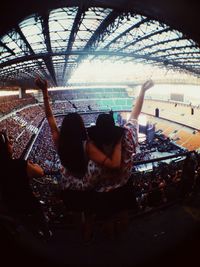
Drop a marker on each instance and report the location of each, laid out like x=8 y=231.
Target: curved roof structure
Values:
x=52 y=38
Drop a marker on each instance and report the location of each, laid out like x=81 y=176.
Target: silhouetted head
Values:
x=5 y=146
x=105 y=132
x=70 y=147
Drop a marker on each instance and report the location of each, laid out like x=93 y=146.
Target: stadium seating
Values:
x=13 y=102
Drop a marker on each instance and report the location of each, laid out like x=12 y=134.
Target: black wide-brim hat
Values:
x=105 y=131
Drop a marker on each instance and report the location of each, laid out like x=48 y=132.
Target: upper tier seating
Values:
x=13 y=102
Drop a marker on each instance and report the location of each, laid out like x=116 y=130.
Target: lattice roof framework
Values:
x=52 y=44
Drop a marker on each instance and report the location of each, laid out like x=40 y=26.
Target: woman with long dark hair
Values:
x=75 y=150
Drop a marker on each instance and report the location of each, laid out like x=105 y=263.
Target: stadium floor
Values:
x=166 y=237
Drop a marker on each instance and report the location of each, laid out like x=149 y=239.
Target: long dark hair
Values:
x=70 y=147
x=4 y=152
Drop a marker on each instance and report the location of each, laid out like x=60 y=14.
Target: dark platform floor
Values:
x=166 y=237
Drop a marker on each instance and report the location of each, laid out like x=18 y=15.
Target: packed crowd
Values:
x=43 y=151
x=21 y=127
x=32 y=115
x=162 y=185
x=24 y=124
x=11 y=103
x=152 y=188
x=159 y=186
x=88 y=99
x=74 y=105
x=88 y=93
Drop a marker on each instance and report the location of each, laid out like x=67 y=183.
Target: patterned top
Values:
x=69 y=181
x=104 y=179
x=107 y=179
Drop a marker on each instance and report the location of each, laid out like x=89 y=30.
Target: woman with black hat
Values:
x=114 y=194
x=106 y=135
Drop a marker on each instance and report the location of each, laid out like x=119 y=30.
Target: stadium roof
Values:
x=51 y=38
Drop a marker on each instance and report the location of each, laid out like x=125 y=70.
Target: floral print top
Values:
x=107 y=179
x=103 y=179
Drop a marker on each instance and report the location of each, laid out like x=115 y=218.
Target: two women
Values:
x=87 y=164
x=74 y=148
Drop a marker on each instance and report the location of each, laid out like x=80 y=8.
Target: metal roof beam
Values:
x=186 y=64
x=180 y=53
x=7 y=48
x=104 y=53
x=101 y=30
x=174 y=54
x=60 y=53
x=98 y=35
x=27 y=44
x=30 y=50
x=159 y=43
x=145 y=37
x=48 y=59
x=80 y=53
x=171 y=48
x=126 y=31
x=77 y=22
x=186 y=58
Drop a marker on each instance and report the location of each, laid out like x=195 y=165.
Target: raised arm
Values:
x=42 y=84
x=139 y=102
x=96 y=155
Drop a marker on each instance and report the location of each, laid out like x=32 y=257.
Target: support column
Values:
x=22 y=92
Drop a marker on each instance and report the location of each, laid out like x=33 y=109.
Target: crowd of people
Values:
x=75 y=105
x=97 y=175
x=10 y=103
x=22 y=126
x=151 y=189
x=88 y=93
x=88 y=99
x=159 y=186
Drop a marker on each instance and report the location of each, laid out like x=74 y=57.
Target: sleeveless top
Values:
x=99 y=178
x=108 y=179
x=71 y=182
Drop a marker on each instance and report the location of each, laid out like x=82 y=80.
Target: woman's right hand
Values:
x=42 y=84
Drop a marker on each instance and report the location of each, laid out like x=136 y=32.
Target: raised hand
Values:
x=42 y=84
x=147 y=85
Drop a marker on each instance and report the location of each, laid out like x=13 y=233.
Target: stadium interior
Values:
x=95 y=55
